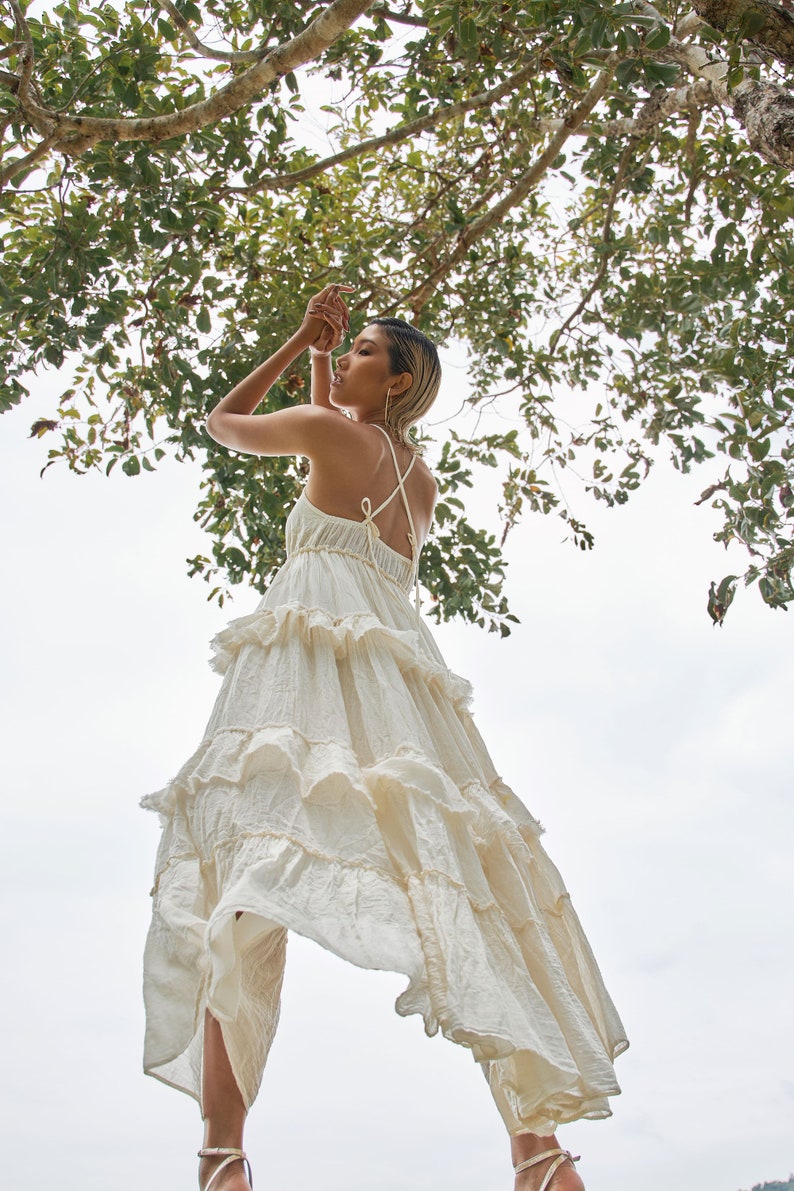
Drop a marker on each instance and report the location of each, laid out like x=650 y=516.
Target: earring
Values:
x=386 y=407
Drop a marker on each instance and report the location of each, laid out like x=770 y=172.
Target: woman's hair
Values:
x=410 y=351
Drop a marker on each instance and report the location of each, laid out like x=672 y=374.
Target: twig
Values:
x=399 y=18
x=207 y=51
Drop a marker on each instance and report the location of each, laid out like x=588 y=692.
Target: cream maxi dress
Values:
x=342 y=791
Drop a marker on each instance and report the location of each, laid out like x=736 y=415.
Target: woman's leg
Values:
x=224 y=1111
x=527 y=1145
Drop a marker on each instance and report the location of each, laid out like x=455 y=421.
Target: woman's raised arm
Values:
x=232 y=422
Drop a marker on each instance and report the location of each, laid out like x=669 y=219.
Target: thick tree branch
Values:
x=775 y=34
x=78 y=133
x=420 y=294
x=400 y=133
x=765 y=109
x=665 y=103
x=767 y=112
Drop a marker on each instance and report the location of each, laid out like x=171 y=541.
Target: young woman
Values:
x=341 y=790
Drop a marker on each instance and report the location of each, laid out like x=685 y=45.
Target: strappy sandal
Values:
x=560 y=1157
x=228 y=1156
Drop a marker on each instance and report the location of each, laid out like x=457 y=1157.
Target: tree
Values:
x=594 y=199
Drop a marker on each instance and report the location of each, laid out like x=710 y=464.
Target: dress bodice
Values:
x=309 y=529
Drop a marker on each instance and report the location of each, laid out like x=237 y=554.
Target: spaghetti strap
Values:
x=366 y=507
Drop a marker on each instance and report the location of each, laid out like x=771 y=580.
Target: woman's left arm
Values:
x=323 y=323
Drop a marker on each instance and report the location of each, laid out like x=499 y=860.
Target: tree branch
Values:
x=20 y=164
x=688 y=24
x=764 y=109
x=398 y=18
x=78 y=133
x=666 y=103
x=400 y=133
x=420 y=294
x=207 y=51
x=775 y=33
x=26 y=53
x=13 y=47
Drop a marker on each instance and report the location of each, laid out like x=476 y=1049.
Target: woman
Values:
x=342 y=790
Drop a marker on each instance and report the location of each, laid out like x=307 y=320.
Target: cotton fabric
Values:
x=342 y=790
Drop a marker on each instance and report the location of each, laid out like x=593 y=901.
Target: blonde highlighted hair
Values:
x=410 y=351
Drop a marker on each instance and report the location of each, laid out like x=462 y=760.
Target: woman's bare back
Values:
x=341 y=480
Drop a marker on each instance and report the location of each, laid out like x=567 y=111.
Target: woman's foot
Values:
x=530 y=1145
x=231 y=1178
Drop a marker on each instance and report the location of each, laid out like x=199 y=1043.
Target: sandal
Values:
x=559 y=1156
x=228 y=1156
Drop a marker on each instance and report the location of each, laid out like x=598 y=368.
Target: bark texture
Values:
x=775 y=35
x=765 y=109
x=767 y=112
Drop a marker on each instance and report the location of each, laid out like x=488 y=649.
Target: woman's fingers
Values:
x=328 y=307
x=329 y=313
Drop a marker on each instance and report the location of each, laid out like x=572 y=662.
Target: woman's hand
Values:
x=327 y=318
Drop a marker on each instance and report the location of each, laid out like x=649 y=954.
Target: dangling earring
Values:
x=386 y=407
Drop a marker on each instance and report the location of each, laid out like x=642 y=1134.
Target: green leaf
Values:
x=658 y=38
x=469 y=34
x=752 y=22
x=662 y=73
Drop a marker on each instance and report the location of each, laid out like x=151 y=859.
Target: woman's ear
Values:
x=402 y=384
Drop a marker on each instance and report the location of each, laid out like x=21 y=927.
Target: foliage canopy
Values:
x=595 y=199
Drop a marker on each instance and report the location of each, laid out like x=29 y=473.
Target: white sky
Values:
x=654 y=748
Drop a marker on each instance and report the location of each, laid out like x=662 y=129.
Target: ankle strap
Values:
x=229 y=1155
x=559 y=1158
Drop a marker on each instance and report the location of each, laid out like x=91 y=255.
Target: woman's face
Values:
x=362 y=376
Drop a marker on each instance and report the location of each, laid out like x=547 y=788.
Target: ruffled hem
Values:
x=316 y=627
x=540 y=1076
x=324 y=772
x=440 y=884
